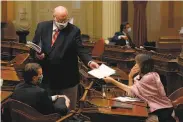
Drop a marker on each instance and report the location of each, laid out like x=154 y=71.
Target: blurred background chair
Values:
x=98 y=50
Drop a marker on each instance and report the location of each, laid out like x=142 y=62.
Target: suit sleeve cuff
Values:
x=119 y=37
x=53 y=98
x=89 y=63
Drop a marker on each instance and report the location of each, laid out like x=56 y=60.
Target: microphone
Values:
x=103 y=91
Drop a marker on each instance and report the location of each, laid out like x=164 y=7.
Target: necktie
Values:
x=54 y=37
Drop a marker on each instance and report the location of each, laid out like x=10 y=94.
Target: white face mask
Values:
x=129 y=30
x=61 y=26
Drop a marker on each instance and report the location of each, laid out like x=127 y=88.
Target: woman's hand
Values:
x=130 y=94
x=108 y=79
x=134 y=70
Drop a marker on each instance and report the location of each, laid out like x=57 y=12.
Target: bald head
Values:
x=60 y=13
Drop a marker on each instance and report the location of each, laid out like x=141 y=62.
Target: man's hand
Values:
x=124 y=37
x=40 y=56
x=67 y=101
x=93 y=65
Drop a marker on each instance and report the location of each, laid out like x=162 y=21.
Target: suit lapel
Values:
x=63 y=40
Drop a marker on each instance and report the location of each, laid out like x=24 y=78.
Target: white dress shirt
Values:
x=127 y=41
x=54 y=29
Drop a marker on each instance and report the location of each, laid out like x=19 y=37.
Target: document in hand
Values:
x=127 y=99
x=102 y=71
x=34 y=46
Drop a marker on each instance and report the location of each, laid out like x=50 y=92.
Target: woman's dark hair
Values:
x=123 y=26
x=31 y=69
x=145 y=62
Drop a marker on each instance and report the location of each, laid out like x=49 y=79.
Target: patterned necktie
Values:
x=54 y=37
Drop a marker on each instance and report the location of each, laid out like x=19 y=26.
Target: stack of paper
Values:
x=102 y=71
x=35 y=47
x=127 y=99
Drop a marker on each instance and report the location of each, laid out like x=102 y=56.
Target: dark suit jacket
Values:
x=36 y=97
x=60 y=66
x=122 y=42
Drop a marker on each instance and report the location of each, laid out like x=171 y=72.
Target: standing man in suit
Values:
x=61 y=45
x=30 y=93
x=122 y=38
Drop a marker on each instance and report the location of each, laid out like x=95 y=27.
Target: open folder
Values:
x=102 y=71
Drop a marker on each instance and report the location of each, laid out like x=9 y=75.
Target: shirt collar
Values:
x=54 y=27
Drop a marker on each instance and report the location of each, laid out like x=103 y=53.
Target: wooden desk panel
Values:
x=9 y=74
x=5 y=95
x=123 y=75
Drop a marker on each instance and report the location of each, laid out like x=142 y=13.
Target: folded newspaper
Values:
x=102 y=71
x=34 y=46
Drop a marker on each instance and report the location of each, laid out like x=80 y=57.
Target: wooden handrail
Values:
x=66 y=116
x=86 y=92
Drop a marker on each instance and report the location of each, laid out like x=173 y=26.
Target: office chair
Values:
x=16 y=111
x=98 y=51
x=176 y=94
x=177 y=100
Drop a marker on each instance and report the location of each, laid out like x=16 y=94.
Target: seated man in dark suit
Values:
x=122 y=38
x=30 y=93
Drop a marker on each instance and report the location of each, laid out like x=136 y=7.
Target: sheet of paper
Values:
x=102 y=71
x=127 y=99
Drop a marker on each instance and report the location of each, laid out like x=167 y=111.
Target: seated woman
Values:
x=148 y=87
x=30 y=93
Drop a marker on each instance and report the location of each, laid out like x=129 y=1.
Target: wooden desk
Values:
x=123 y=75
x=5 y=95
x=2 y=62
x=137 y=113
x=172 y=43
x=10 y=49
x=9 y=74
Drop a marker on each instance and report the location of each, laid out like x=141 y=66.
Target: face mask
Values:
x=129 y=30
x=61 y=26
x=40 y=79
